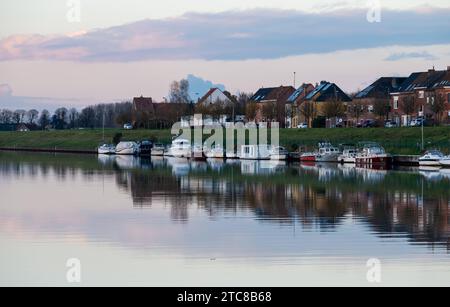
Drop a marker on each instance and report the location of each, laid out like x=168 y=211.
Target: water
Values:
x=168 y=222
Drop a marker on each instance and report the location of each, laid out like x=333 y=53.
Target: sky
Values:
x=59 y=53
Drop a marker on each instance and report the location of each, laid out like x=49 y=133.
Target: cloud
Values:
x=411 y=55
x=198 y=86
x=5 y=90
x=9 y=101
x=235 y=35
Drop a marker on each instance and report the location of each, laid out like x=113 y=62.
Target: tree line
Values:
x=110 y=115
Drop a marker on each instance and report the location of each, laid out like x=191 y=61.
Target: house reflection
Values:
x=409 y=203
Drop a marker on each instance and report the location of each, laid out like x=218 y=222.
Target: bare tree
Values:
x=356 y=109
x=308 y=110
x=73 y=118
x=179 y=92
x=18 y=116
x=381 y=108
x=32 y=116
x=333 y=108
x=409 y=105
x=6 y=116
x=438 y=107
x=250 y=110
x=44 y=119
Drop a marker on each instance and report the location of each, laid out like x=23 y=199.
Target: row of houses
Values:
x=398 y=99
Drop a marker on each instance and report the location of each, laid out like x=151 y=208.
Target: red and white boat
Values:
x=373 y=155
x=309 y=157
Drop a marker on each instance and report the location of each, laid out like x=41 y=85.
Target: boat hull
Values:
x=374 y=161
x=430 y=162
x=180 y=153
x=445 y=162
x=279 y=157
x=157 y=152
x=308 y=158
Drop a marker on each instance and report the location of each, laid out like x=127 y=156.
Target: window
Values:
x=421 y=94
x=370 y=108
x=395 y=102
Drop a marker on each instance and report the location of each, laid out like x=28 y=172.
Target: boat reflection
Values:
x=410 y=203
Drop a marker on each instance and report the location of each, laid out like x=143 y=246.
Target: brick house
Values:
x=293 y=114
x=378 y=92
x=323 y=93
x=418 y=95
x=271 y=104
x=149 y=114
x=215 y=95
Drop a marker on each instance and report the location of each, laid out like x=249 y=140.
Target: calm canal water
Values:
x=167 y=222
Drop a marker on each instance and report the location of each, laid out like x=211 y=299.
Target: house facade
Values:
x=377 y=93
x=323 y=94
x=149 y=114
x=424 y=94
x=216 y=95
x=293 y=113
x=271 y=104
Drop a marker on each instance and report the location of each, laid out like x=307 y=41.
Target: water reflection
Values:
x=413 y=203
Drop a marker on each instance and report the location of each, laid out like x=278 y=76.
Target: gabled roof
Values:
x=212 y=91
x=302 y=90
x=381 y=88
x=281 y=93
x=143 y=104
x=326 y=91
x=430 y=79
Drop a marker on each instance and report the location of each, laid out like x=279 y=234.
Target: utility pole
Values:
x=294 y=79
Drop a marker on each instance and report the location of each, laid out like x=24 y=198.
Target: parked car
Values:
x=390 y=124
x=368 y=123
x=302 y=126
x=419 y=121
x=128 y=127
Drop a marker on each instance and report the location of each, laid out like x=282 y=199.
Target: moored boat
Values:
x=181 y=148
x=348 y=156
x=198 y=154
x=217 y=152
x=279 y=153
x=328 y=153
x=158 y=150
x=127 y=148
x=145 y=148
x=106 y=149
x=373 y=155
x=445 y=161
x=431 y=158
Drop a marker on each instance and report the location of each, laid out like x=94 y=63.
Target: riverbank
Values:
x=405 y=141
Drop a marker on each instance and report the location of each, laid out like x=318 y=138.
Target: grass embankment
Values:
x=395 y=140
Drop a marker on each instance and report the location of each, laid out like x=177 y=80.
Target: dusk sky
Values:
x=120 y=49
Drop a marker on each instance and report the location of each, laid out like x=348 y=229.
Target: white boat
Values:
x=255 y=152
x=373 y=155
x=328 y=153
x=106 y=149
x=158 y=150
x=348 y=156
x=198 y=153
x=217 y=152
x=231 y=155
x=181 y=148
x=431 y=158
x=127 y=148
x=445 y=161
x=279 y=153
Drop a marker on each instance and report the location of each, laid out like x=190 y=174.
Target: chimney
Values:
x=431 y=70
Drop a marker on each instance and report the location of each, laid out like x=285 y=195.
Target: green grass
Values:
x=395 y=140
